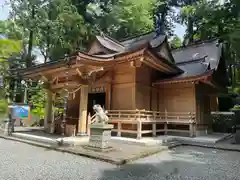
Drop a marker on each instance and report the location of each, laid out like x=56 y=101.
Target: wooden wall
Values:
x=177 y=97
x=123 y=87
x=143 y=87
x=73 y=109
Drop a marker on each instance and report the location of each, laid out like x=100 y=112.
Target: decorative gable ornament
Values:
x=157 y=25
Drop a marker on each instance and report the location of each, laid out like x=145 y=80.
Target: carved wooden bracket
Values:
x=137 y=63
x=88 y=74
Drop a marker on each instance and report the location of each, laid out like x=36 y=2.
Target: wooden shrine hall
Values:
x=146 y=88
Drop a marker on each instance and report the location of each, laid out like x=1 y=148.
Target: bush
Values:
x=3 y=106
x=223 y=121
x=236 y=107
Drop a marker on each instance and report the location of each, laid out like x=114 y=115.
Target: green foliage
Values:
x=8 y=48
x=236 y=107
x=3 y=107
x=38 y=101
x=129 y=19
x=176 y=42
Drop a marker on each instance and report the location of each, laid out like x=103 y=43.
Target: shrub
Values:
x=3 y=106
x=223 y=121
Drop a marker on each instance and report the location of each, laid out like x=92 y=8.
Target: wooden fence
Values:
x=142 y=117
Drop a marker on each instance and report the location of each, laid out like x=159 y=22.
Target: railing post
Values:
x=165 y=124
x=139 y=115
x=89 y=123
x=165 y=128
x=119 y=127
x=191 y=125
x=154 y=129
x=139 y=129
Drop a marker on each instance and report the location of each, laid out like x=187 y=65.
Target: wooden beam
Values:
x=82 y=130
x=64 y=85
x=44 y=78
x=53 y=80
x=79 y=72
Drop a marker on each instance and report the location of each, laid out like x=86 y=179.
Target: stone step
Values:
x=35 y=138
x=66 y=141
x=141 y=142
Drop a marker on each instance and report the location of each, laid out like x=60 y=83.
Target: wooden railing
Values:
x=141 y=117
x=90 y=120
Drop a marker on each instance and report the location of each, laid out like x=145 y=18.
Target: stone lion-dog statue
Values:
x=101 y=116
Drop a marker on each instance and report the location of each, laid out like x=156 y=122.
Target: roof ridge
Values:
x=191 y=61
x=196 y=43
x=111 y=39
x=135 y=36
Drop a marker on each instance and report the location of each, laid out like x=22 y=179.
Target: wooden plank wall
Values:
x=123 y=87
x=73 y=109
x=203 y=103
x=143 y=87
x=177 y=97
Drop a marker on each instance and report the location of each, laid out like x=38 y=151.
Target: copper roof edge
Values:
x=196 y=43
x=186 y=79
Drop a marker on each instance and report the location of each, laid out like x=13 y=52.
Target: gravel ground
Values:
x=19 y=161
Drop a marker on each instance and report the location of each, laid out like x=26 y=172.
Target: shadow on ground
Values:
x=172 y=165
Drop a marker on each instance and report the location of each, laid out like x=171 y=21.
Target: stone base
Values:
x=100 y=135
x=237 y=135
x=109 y=148
x=203 y=130
x=82 y=134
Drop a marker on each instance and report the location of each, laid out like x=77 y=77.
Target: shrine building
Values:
x=146 y=88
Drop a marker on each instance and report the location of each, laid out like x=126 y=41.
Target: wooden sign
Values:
x=20 y=111
x=98 y=89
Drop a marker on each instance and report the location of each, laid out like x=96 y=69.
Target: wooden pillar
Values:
x=51 y=120
x=82 y=124
x=108 y=96
x=154 y=129
x=119 y=128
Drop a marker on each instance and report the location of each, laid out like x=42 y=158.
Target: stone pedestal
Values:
x=8 y=127
x=100 y=135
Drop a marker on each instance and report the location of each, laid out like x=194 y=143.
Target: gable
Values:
x=165 y=52
x=97 y=48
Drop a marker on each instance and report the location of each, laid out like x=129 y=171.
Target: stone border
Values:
x=213 y=146
x=86 y=154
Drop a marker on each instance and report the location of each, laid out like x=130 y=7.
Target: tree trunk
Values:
x=30 y=41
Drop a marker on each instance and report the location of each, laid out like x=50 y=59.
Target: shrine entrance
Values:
x=96 y=98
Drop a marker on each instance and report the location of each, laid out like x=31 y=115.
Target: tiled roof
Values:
x=210 y=50
x=131 y=44
x=194 y=60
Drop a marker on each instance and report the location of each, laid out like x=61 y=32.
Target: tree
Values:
x=188 y=16
x=61 y=30
x=129 y=19
x=164 y=10
x=8 y=49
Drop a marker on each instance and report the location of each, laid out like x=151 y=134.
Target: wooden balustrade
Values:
x=138 y=119
x=141 y=117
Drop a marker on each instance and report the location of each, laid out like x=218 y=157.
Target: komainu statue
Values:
x=101 y=116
